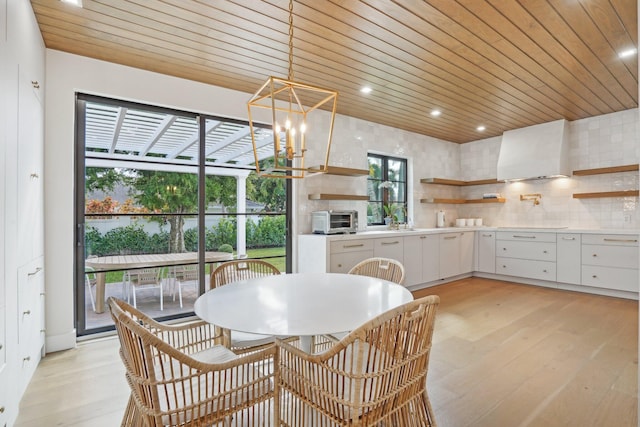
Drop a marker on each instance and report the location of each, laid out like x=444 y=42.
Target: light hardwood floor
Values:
x=504 y=355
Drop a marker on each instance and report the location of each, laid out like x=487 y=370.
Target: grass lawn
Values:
x=278 y=260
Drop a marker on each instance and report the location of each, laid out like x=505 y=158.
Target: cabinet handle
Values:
x=0 y=346
x=622 y=240
x=34 y=175
x=544 y=252
x=1 y=409
x=26 y=359
x=504 y=266
x=504 y=249
x=27 y=312
x=486 y=235
x=450 y=237
x=516 y=236
x=390 y=243
x=339 y=265
x=353 y=246
x=35 y=84
x=36 y=271
x=594 y=276
x=595 y=255
x=423 y=237
x=568 y=238
x=544 y=271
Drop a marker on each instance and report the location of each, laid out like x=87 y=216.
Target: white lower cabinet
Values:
x=389 y=247
x=486 y=243
x=344 y=254
x=568 y=249
x=610 y=261
x=467 y=245
x=30 y=319
x=421 y=259
x=526 y=254
x=449 y=255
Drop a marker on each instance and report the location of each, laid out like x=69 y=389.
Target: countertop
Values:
x=382 y=232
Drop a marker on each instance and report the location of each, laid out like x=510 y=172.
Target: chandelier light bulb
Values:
x=287 y=124
x=303 y=127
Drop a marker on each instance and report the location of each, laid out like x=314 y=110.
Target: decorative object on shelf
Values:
x=290 y=103
x=533 y=196
x=440 y=219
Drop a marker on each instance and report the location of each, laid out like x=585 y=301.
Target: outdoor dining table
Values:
x=302 y=304
x=127 y=262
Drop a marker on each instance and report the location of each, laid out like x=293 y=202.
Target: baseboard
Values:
x=61 y=342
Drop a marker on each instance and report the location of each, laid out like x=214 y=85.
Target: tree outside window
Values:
x=387 y=189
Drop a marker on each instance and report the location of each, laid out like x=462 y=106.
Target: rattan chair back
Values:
x=241 y=269
x=184 y=375
x=375 y=376
x=382 y=268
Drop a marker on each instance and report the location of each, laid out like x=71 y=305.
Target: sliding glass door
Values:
x=162 y=197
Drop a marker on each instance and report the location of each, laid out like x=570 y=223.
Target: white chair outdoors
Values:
x=90 y=281
x=143 y=278
x=183 y=275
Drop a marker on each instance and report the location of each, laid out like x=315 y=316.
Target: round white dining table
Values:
x=302 y=304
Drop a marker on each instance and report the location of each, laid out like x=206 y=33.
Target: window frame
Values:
x=402 y=185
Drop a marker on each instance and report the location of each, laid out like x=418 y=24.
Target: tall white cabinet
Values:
x=22 y=286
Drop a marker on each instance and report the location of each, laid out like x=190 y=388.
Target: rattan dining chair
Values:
x=382 y=268
x=142 y=278
x=243 y=269
x=185 y=375
x=375 y=376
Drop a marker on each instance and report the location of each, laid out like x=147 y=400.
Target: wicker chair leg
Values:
x=131 y=416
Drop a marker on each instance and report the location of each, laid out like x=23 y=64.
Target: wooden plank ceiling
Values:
x=503 y=64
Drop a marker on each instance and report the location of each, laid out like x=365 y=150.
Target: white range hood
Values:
x=535 y=152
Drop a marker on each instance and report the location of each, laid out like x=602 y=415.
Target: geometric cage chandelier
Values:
x=291 y=105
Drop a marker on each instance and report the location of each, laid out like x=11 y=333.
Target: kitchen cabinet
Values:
x=345 y=254
x=421 y=259
x=456 y=253
x=610 y=261
x=486 y=242
x=568 y=264
x=389 y=247
x=529 y=255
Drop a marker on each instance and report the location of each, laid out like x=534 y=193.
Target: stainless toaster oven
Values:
x=334 y=222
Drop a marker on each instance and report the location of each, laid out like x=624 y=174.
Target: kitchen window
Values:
x=387 y=189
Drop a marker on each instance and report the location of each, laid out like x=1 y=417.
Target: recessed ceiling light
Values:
x=73 y=2
x=436 y=113
x=627 y=53
x=480 y=128
x=366 y=89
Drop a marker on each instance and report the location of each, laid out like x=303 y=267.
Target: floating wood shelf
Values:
x=325 y=196
x=444 y=181
x=337 y=170
x=627 y=193
x=613 y=169
x=462 y=201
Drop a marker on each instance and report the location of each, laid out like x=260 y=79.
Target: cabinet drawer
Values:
x=343 y=262
x=543 y=270
x=610 y=239
x=526 y=236
x=610 y=256
x=391 y=247
x=351 y=245
x=624 y=279
x=539 y=251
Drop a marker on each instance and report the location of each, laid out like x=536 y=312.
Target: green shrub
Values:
x=226 y=248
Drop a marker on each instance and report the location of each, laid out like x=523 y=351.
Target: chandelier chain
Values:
x=290 y=77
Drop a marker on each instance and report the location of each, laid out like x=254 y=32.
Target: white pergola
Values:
x=118 y=137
